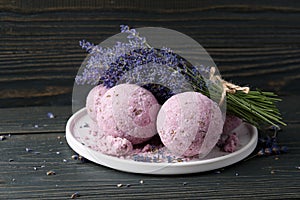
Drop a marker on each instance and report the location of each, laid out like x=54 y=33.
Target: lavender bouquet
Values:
x=166 y=73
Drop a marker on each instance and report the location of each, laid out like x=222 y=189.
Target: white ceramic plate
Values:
x=79 y=138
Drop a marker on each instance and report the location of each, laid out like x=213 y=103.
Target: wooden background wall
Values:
x=252 y=42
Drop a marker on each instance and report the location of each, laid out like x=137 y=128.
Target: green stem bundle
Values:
x=255 y=107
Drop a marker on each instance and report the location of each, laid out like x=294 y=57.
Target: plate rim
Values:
x=233 y=157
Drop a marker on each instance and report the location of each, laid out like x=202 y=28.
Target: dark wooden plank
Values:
x=258 y=178
x=33 y=119
x=254 y=43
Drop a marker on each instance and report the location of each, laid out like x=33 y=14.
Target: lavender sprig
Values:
x=133 y=34
x=164 y=73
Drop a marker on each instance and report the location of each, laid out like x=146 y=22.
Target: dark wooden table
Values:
x=252 y=43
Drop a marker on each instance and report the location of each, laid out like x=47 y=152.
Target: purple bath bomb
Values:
x=231 y=122
x=190 y=124
x=93 y=100
x=128 y=111
x=115 y=146
x=108 y=144
x=229 y=140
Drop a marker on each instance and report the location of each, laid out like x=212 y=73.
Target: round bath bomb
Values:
x=128 y=111
x=190 y=124
x=93 y=100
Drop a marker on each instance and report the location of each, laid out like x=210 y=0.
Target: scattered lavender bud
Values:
x=86 y=125
x=2 y=137
x=82 y=159
x=119 y=185
x=49 y=173
x=261 y=152
x=268 y=151
x=169 y=159
x=135 y=157
x=274 y=140
x=50 y=115
x=147 y=159
x=75 y=195
x=74 y=157
x=283 y=149
x=275 y=149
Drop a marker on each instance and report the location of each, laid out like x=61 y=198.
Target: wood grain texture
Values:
x=34 y=119
x=254 y=43
x=257 y=178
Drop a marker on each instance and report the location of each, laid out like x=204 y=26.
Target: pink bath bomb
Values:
x=128 y=111
x=108 y=144
x=190 y=124
x=93 y=100
x=114 y=146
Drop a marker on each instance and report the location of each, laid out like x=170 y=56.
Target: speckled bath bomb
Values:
x=93 y=100
x=128 y=111
x=108 y=144
x=190 y=124
x=114 y=146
